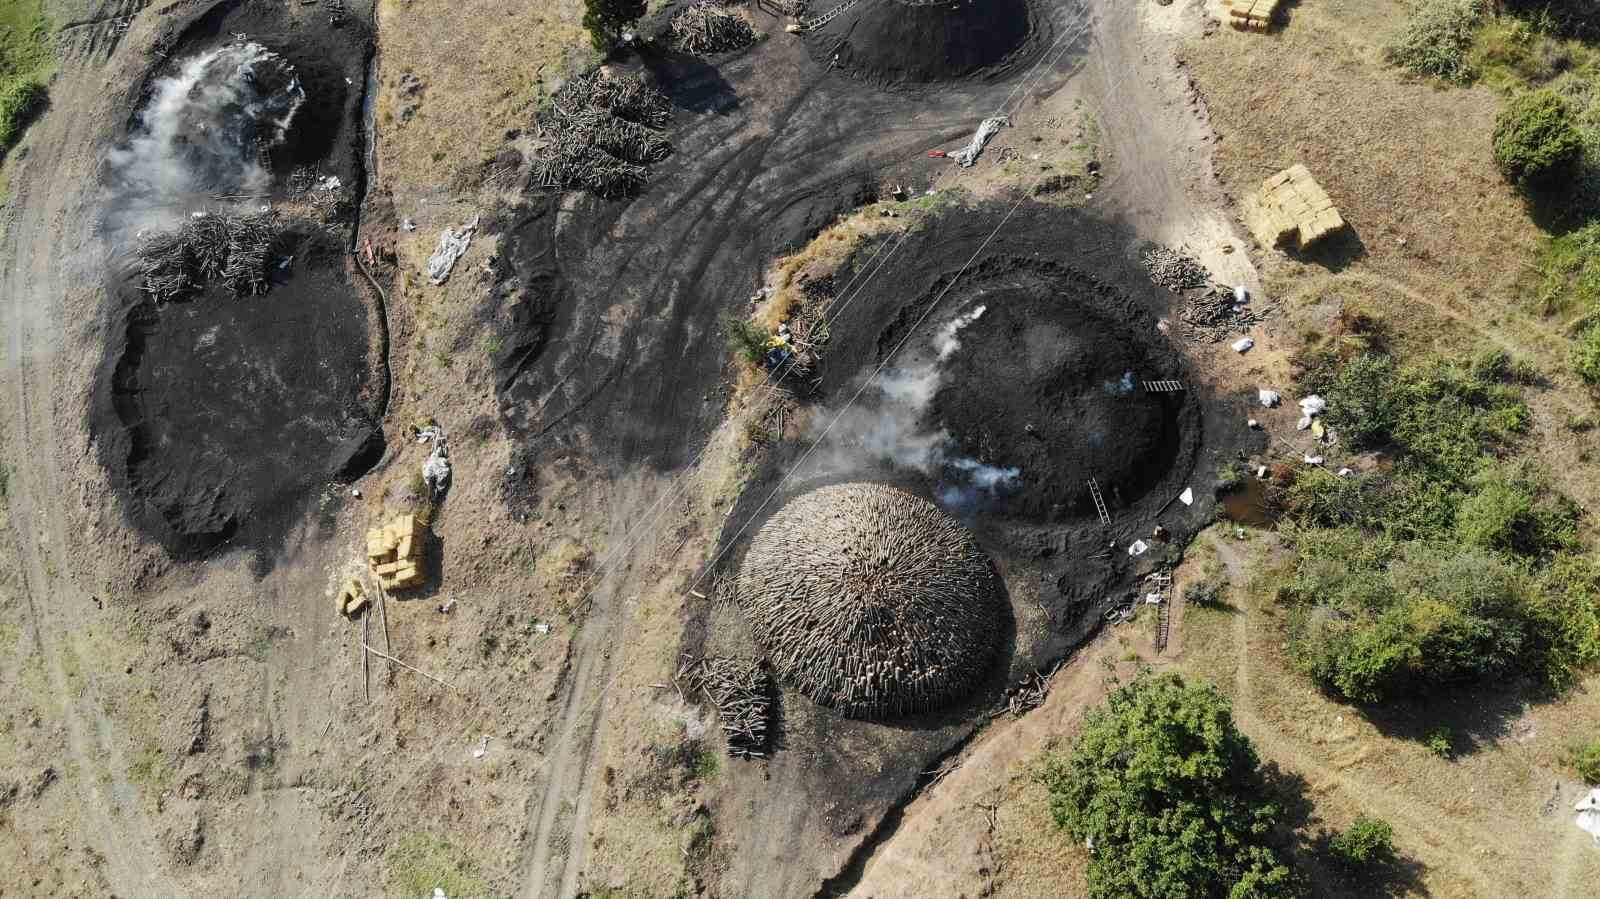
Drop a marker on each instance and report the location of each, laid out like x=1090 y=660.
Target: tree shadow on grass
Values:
x=1475 y=717
x=1312 y=854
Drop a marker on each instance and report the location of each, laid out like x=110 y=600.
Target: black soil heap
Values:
x=898 y=41
x=1050 y=381
x=871 y=601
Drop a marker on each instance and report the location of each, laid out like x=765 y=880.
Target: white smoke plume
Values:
x=887 y=425
x=200 y=138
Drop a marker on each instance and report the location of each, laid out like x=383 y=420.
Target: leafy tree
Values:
x=1535 y=138
x=606 y=19
x=744 y=338
x=1168 y=794
x=1366 y=844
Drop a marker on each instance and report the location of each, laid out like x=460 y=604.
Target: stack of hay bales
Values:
x=352 y=597
x=394 y=552
x=1252 y=15
x=1292 y=208
x=871 y=601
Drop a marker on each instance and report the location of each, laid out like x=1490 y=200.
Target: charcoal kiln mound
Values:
x=1051 y=381
x=240 y=374
x=924 y=41
x=871 y=601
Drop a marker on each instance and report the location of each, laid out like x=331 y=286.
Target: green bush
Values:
x=1536 y=139
x=20 y=99
x=1569 y=266
x=1167 y=792
x=1367 y=843
x=1585 y=354
x=1510 y=510
x=1572 y=18
x=1441 y=742
x=1437 y=37
x=744 y=339
x=1586 y=759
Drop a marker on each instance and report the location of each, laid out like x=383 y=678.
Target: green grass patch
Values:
x=1437 y=39
x=25 y=60
x=1569 y=272
x=418 y=863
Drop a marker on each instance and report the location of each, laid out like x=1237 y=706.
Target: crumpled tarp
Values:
x=452 y=245
x=968 y=157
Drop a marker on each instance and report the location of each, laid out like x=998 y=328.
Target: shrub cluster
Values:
x=1168 y=794
x=1450 y=564
x=1536 y=138
x=1365 y=844
x=20 y=99
x=1437 y=37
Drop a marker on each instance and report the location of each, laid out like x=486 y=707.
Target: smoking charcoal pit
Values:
x=1049 y=380
x=219 y=411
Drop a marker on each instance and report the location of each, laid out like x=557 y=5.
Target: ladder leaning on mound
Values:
x=829 y=16
x=1099 y=503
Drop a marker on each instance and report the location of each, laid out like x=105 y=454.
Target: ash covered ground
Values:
x=218 y=415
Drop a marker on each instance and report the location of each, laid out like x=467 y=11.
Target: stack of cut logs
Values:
x=1173 y=270
x=704 y=28
x=603 y=130
x=1215 y=315
x=742 y=693
x=871 y=601
x=233 y=249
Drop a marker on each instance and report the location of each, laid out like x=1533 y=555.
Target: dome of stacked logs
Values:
x=871 y=601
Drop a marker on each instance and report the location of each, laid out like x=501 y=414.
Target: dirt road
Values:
x=49 y=256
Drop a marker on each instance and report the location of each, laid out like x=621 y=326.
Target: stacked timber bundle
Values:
x=233 y=249
x=394 y=552
x=1174 y=270
x=871 y=601
x=704 y=28
x=742 y=693
x=603 y=130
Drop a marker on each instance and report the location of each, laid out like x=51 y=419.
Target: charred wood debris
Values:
x=1211 y=312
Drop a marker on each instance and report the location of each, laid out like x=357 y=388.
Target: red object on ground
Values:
x=367 y=248
x=936 y=154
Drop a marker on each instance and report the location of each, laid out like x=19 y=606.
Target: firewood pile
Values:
x=1028 y=695
x=1216 y=315
x=704 y=28
x=871 y=601
x=603 y=131
x=1174 y=270
x=234 y=250
x=741 y=691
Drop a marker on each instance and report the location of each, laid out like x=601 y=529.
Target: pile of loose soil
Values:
x=1049 y=381
x=896 y=41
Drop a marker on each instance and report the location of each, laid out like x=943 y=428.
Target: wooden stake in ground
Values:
x=391 y=658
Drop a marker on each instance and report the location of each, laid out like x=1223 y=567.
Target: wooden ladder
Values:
x=1163 y=386
x=1099 y=503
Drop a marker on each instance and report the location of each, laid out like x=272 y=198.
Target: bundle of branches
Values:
x=704 y=28
x=604 y=130
x=1174 y=270
x=1215 y=315
x=235 y=250
x=742 y=693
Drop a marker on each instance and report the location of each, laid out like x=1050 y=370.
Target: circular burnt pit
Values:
x=926 y=41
